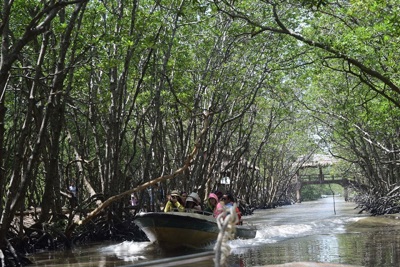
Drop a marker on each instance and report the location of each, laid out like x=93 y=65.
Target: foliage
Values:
x=315 y=192
x=311 y=192
x=112 y=94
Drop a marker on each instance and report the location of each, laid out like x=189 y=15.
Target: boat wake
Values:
x=268 y=234
x=129 y=251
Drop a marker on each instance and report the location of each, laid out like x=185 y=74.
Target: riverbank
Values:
x=395 y=216
x=28 y=236
x=389 y=220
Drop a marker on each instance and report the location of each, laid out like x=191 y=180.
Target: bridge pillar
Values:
x=298 y=195
x=298 y=188
x=346 y=193
x=321 y=175
x=298 y=192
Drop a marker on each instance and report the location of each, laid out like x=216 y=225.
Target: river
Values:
x=327 y=232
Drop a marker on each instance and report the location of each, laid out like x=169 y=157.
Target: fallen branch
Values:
x=186 y=165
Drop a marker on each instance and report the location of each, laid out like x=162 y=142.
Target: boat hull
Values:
x=171 y=230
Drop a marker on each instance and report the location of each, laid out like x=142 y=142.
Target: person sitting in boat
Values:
x=220 y=208
x=226 y=203
x=211 y=204
x=219 y=194
x=193 y=202
x=174 y=203
x=184 y=196
x=229 y=201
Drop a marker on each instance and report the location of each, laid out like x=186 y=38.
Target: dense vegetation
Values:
x=123 y=96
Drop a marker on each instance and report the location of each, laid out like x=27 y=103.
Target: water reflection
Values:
x=102 y=255
x=372 y=248
x=367 y=248
x=306 y=249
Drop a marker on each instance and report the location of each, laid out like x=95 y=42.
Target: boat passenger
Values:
x=196 y=197
x=225 y=204
x=184 y=196
x=193 y=202
x=211 y=204
x=220 y=208
x=219 y=194
x=191 y=205
x=174 y=203
x=229 y=201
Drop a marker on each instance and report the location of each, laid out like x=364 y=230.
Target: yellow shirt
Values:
x=170 y=206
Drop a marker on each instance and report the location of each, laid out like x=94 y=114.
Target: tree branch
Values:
x=186 y=165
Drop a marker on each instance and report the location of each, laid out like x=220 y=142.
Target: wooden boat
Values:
x=171 y=230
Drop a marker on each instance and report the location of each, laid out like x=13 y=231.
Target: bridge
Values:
x=310 y=179
x=307 y=179
x=320 y=162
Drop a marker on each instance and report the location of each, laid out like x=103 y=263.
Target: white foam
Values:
x=283 y=231
x=267 y=234
x=240 y=246
x=128 y=250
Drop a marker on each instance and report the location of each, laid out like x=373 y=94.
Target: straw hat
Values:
x=175 y=193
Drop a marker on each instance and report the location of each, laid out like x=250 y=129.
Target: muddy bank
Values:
x=38 y=237
x=392 y=220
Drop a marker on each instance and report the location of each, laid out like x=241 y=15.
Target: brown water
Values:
x=306 y=234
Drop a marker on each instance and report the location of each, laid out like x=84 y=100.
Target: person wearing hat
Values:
x=174 y=203
x=212 y=202
x=193 y=202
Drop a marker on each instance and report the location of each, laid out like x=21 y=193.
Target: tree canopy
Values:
x=114 y=94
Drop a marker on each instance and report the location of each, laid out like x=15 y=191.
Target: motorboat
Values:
x=171 y=230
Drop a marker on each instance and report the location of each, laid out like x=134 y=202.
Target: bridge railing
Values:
x=316 y=177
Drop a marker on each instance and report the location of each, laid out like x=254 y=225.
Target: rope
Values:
x=2 y=263
x=227 y=226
